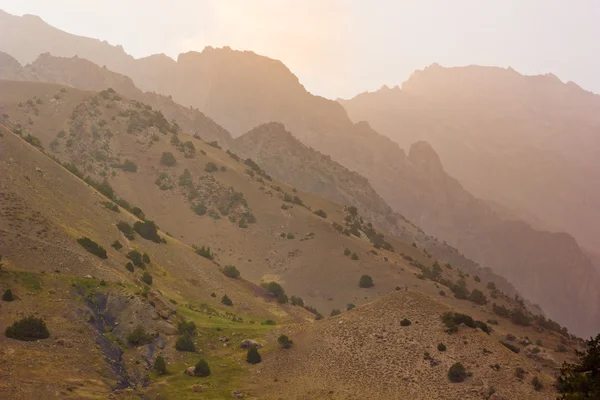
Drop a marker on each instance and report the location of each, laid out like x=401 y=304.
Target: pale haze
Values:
x=341 y=48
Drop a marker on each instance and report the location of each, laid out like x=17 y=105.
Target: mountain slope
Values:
x=529 y=143
x=239 y=88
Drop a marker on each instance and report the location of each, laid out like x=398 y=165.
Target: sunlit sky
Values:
x=339 y=48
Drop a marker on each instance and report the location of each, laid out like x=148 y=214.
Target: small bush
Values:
x=350 y=306
x=478 y=297
x=204 y=252
x=139 y=336
x=185 y=343
x=511 y=346
x=147 y=278
x=405 y=322
x=441 y=347
x=231 y=271
x=354 y=256
x=202 y=369
x=253 y=356
x=146 y=258
x=211 y=167
x=347 y=251
x=147 y=230
x=537 y=384
x=168 y=159
x=188 y=327
x=28 y=329
x=92 y=247
x=284 y=341
x=297 y=301
x=160 y=367
x=129 y=267
x=520 y=373
x=561 y=348
x=457 y=373
x=126 y=229
x=117 y=245
x=321 y=213
x=135 y=257
x=365 y=281
x=226 y=300
x=8 y=296
x=334 y=312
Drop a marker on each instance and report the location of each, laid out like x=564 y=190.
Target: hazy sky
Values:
x=339 y=48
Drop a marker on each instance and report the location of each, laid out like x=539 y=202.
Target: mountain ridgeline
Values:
x=242 y=90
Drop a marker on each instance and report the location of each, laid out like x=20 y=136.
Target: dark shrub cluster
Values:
x=147 y=230
x=92 y=247
x=231 y=271
x=28 y=329
x=366 y=281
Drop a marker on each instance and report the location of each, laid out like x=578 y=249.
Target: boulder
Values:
x=223 y=339
x=248 y=343
x=64 y=342
x=236 y=394
x=163 y=307
x=197 y=388
x=189 y=371
x=166 y=328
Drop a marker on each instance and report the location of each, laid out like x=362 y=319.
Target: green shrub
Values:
x=146 y=258
x=160 y=367
x=350 y=306
x=139 y=336
x=510 y=346
x=204 y=252
x=117 y=245
x=478 y=297
x=334 y=312
x=226 y=300
x=185 y=343
x=147 y=278
x=253 y=356
x=129 y=267
x=168 y=159
x=135 y=257
x=188 y=327
x=126 y=229
x=186 y=179
x=441 y=347
x=537 y=384
x=284 y=341
x=147 y=230
x=520 y=373
x=321 y=213
x=231 y=271
x=111 y=206
x=354 y=256
x=199 y=208
x=561 y=348
x=297 y=301
x=405 y=322
x=8 y=296
x=211 y=167
x=347 y=251
x=92 y=247
x=28 y=329
x=365 y=281
x=202 y=369
x=457 y=373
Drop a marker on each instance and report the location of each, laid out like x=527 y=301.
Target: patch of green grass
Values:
x=29 y=280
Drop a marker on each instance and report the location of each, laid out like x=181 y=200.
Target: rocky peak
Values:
x=425 y=158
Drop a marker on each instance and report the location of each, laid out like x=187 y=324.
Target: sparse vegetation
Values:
x=519 y=373
x=168 y=159
x=139 y=336
x=253 y=356
x=28 y=329
x=8 y=296
x=231 y=271
x=92 y=247
x=285 y=342
x=511 y=346
x=441 y=347
x=116 y=245
x=354 y=256
x=147 y=230
x=135 y=257
x=147 y=278
x=347 y=251
x=204 y=252
x=186 y=327
x=321 y=213
x=185 y=343
x=350 y=306
x=334 y=312
x=405 y=322
x=127 y=230
x=365 y=282
x=160 y=367
x=226 y=300
x=457 y=373
x=202 y=369
x=537 y=384
x=211 y=167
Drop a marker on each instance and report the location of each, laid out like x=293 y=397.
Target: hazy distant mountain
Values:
x=241 y=90
x=530 y=143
